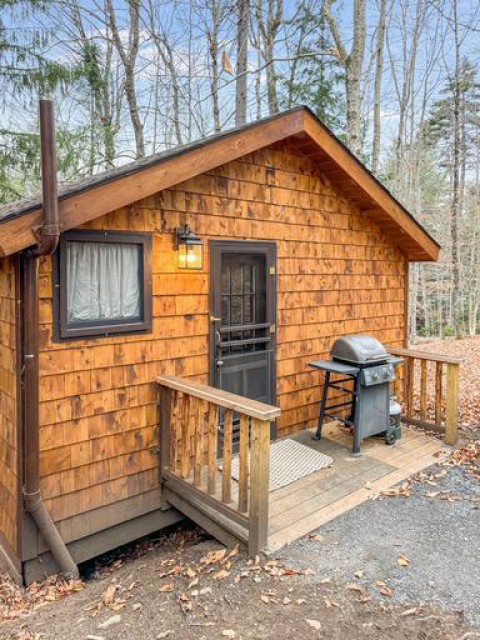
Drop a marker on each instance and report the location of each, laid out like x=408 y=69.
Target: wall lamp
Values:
x=189 y=248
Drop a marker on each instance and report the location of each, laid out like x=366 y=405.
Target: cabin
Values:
x=165 y=337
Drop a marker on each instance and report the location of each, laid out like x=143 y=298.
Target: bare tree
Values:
x=128 y=53
x=456 y=186
x=377 y=94
x=269 y=26
x=241 y=88
x=353 y=64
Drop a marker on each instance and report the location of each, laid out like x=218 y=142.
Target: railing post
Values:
x=164 y=433
x=259 y=485
x=452 y=390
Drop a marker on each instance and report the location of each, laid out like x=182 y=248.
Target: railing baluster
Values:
x=173 y=430
x=185 y=431
x=408 y=385
x=198 y=442
x=423 y=390
x=212 y=447
x=243 y=464
x=227 y=456
x=438 y=392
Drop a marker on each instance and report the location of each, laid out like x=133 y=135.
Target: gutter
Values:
x=48 y=236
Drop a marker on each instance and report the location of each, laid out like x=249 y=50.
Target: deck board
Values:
x=310 y=502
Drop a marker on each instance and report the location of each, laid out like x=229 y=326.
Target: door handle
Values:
x=215 y=319
x=219 y=363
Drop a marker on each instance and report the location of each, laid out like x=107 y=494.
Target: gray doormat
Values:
x=289 y=461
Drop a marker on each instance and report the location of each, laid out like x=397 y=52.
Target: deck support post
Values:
x=259 y=486
x=451 y=419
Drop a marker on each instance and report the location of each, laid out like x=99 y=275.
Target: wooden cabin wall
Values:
x=8 y=421
x=337 y=274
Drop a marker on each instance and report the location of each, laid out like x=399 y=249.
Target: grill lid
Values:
x=359 y=349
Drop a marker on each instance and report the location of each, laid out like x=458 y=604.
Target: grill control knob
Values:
x=386 y=373
x=375 y=375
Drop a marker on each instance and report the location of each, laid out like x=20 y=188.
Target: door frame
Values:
x=269 y=250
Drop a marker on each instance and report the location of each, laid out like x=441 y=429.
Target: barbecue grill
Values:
x=364 y=362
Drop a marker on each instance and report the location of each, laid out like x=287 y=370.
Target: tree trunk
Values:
x=353 y=63
x=128 y=57
x=243 y=8
x=378 y=87
x=456 y=195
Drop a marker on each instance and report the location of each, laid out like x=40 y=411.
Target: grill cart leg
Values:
x=323 y=404
x=356 y=427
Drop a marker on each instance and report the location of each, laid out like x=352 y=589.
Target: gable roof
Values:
x=93 y=197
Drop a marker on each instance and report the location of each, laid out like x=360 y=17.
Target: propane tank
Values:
x=395 y=413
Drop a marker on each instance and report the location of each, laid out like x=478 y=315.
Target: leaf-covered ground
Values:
x=469 y=349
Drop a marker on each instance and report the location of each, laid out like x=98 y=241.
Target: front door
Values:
x=242 y=306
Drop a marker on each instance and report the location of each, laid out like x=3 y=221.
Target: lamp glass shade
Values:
x=190 y=251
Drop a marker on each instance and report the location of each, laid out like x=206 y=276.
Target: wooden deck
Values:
x=310 y=502
x=197 y=479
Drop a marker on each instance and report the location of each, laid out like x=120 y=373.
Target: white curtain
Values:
x=103 y=281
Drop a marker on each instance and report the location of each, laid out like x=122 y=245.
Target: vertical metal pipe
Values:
x=48 y=236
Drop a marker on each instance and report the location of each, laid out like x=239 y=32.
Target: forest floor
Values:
x=468 y=348
x=404 y=565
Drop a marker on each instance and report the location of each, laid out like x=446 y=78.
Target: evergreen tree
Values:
x=317 y=76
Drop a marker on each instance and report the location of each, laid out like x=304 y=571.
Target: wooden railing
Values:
x=428 y=390
x=196 y=459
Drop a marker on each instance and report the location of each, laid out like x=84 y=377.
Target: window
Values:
x=103 y=283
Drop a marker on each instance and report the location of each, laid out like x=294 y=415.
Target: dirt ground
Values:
x=401 y=566
x=225 y=599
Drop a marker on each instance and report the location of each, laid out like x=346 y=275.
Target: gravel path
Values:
x=441 y=538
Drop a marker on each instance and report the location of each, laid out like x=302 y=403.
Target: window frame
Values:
x=63 y=330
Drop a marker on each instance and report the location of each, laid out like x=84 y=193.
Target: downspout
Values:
x=48 y=235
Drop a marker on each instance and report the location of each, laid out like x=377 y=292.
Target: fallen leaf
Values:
x=213 y=556
x=229 y=633
x=109 y=594
x=164 y=634
x=167 y=588
x=358 y=574
x=329 y=603
x=409 y=612
x=316 y=536
x=220 y=575
x=110 y=622
x=354 y=587
x=265 y=599
x=403 y=561
x=286 y=600
x=315 y=624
